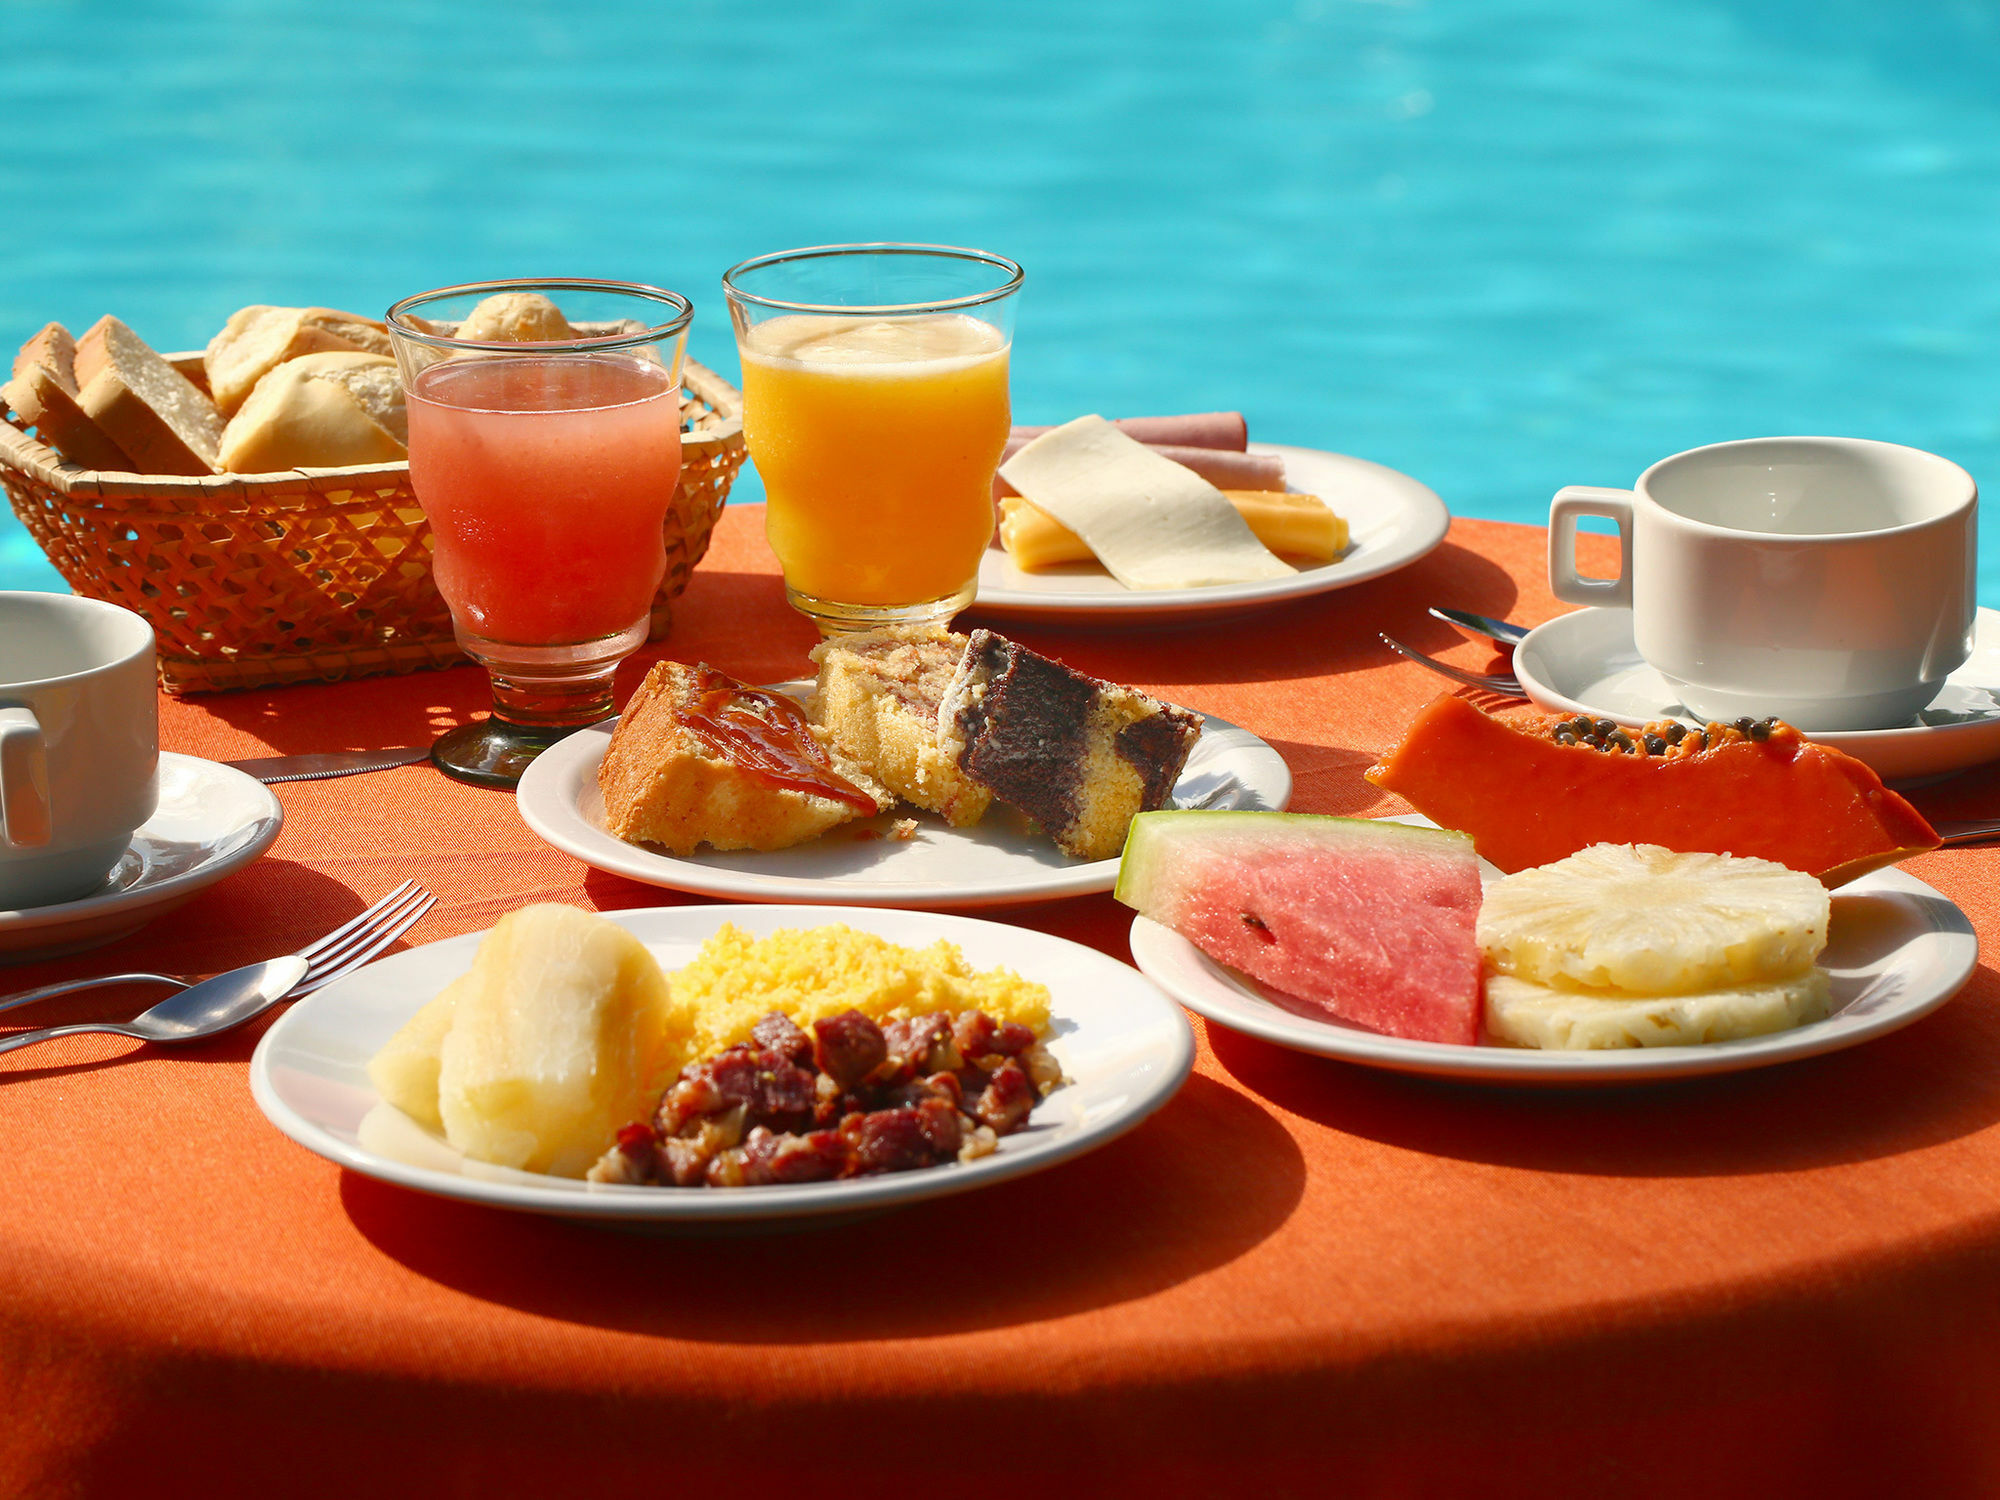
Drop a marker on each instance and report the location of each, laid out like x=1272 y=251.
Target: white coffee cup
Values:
x=79 y=743
x=1828 y=582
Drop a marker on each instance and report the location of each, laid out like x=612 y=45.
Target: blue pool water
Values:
x=1503 y=245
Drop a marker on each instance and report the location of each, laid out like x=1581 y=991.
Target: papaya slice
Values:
x=1537 y=789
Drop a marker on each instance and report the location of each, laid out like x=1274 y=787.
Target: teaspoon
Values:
x=201 y=1010
x=1500 y=632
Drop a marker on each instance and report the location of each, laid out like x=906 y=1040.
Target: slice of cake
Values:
x=1079 y=755
x=878 y=696
x=700 y=758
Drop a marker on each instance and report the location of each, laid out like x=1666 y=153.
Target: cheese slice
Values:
x=1152 y=523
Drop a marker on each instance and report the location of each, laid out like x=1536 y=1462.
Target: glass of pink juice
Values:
x=545 y=446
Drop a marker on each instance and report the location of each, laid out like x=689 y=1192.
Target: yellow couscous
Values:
x=811 y=973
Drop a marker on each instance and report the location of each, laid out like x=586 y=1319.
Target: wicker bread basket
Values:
x=312 y=575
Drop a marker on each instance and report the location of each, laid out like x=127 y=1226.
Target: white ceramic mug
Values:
x=1828 y=582
x=79 y=743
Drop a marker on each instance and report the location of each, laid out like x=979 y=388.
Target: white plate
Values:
x=1123 y=1046
x=1392 y=521
x=1586 y=663
x=211 y=820
x=1897 y=950
x=998 y=861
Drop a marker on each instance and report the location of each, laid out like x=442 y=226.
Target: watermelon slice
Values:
x=1372 y=923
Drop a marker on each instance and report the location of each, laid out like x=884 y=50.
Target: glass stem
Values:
x=538 y=702
x=553 y=687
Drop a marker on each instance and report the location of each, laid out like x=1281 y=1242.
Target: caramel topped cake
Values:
x=878 y=697
x=1079 y=755
x=700 y=758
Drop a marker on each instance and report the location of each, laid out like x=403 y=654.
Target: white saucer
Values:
x=1392 y=521
x=1897 y=950
x=211 y=821
x=999 y=861
x=1586 y=663
x=1124 y=1048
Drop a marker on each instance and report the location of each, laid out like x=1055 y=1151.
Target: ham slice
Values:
x=1201 y=429
x=1220 y=467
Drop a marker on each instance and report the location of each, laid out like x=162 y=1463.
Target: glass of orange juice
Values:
x=545 y=446
x=875 y=408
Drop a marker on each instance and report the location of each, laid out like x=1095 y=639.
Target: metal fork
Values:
x=340 y=951
x=1496 y=682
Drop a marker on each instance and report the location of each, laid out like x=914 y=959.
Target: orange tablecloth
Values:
x=1301 y=1277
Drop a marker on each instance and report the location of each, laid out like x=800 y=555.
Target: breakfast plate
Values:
x=211 y=821
x=1896 y=950
x=1392 y=521
x=999 y=861
x=1124 y=1048
x=1586 y=663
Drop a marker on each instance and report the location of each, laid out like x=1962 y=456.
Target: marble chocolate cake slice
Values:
x=1079 y=755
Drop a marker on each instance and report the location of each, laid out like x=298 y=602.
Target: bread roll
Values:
x=319 y=411
x=43 y=394
x=255 y=339
x=375 y=384
x=515 y=318
x=159 y=417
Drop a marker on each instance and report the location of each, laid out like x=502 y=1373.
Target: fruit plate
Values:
x=1124 y=1049
x=1896 y=950
x=1392 y=521
x=1000 y=861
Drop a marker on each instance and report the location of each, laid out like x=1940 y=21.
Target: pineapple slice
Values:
x=405 y=1071
x=557 y=1038
x=1538 y=1015
x=1643 y=919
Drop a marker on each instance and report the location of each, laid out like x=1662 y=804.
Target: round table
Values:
x=1300 y=1277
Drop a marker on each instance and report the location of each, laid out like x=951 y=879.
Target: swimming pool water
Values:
x=1502 y=245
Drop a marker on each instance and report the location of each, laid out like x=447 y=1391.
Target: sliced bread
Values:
x=147 y=407
x=54 y=349
x=320 y=410
x=43 y=394
x=257 y=339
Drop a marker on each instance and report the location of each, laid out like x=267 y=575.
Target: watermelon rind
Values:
x=1154 y=837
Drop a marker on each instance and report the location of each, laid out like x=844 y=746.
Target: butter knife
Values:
x=1977 y=831
x=323 y=764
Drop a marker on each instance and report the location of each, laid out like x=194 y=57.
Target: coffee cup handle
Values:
x=24 y=781
x=1565 y=582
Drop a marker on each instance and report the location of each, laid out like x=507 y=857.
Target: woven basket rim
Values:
x=32 y=456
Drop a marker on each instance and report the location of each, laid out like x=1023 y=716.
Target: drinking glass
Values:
x=545 y=466
x=875 y=408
